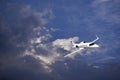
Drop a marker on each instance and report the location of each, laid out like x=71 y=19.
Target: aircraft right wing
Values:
x=95 y=39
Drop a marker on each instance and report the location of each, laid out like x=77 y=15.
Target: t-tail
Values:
x=73 y=44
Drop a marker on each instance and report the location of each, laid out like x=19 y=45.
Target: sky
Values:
x=35 y=36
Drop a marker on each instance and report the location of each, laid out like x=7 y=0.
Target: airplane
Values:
x=82 y=45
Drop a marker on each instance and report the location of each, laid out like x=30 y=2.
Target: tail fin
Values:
x=73 y=44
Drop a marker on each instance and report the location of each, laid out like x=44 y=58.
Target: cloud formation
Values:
x=25 y=38
x=25 y=35
x=65 y=43
x=47 y=54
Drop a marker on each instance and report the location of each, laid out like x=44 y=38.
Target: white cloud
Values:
x=96 y=67
x=43 y=52
x=40 y=39
x=65 y=43
x=51 y=53
x=45 y=61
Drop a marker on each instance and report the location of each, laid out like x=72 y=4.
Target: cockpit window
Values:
x=91 y=44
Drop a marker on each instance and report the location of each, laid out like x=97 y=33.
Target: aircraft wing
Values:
x=95 y=39
x=72 y=54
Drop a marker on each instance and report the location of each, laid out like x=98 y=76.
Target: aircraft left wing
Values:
x=71 y=55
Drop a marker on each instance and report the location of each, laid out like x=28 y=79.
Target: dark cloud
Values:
x=20 y=73
x=18 y=25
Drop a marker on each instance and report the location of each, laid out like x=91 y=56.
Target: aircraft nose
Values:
x=97 y=45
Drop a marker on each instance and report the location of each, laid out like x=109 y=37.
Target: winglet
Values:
x=95 y=39
x=72 y=43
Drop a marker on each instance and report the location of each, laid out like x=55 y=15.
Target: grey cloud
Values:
x=26 y=23
x=22 y=28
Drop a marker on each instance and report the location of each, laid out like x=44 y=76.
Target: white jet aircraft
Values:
x=82 y=45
